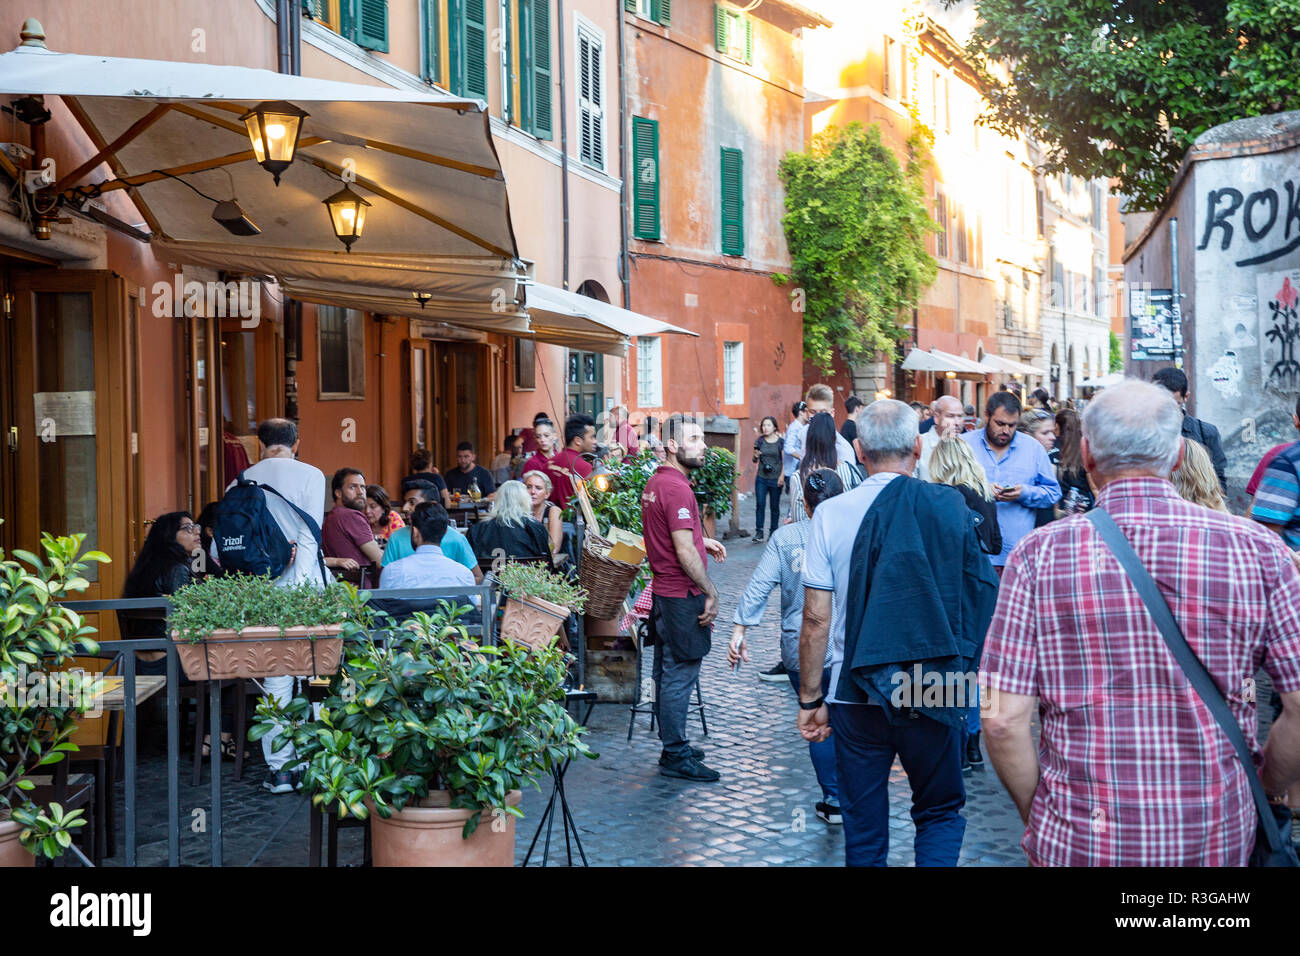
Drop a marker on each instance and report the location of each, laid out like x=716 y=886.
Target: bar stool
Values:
x=651 y=706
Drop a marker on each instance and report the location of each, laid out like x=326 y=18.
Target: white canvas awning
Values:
x=162 y=129
x=485 y=314
x=1103 y=381
x=1011 y=365
x=943 y=362
x=578 y=321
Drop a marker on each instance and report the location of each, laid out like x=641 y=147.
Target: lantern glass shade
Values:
x=273 y=129
x=347 y=215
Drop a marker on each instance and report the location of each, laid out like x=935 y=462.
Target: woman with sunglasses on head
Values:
x=819 y=452
x=1040 y=426
x=768 y=450
x=781 y=565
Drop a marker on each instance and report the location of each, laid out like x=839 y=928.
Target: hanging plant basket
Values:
x=260 y=651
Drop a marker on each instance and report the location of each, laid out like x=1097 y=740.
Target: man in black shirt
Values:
x=1175 y=380
x=421 y=461
x=849 y=429
x=467 y=471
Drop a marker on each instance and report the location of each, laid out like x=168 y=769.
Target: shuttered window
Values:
x=645 y=182
x=591 y=97
x=733 y=34
x=535 y=75
x=941 y=249
x=369 y=24
x=467 y=30
x=660 y=11
x=430 y=44
x=733 y=203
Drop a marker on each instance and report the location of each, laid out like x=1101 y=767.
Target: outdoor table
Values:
x=114 y=695
x=467 y=511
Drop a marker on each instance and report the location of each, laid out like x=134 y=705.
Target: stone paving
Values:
x=759 y=814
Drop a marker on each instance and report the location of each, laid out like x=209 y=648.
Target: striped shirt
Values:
x=1135 y=770
x=1277 y=499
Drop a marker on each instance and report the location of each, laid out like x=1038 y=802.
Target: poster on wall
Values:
x=1153 y=328
x=1279 y=330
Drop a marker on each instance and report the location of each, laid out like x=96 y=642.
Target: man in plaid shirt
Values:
x=1131 y=768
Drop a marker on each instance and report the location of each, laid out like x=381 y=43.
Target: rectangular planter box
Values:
x=262 y=652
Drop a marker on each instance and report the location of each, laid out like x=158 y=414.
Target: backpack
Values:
x=248 y=538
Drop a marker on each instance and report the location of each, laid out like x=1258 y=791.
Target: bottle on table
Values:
x=474 y=493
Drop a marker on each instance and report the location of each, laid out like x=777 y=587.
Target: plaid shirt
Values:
x=1135 y=771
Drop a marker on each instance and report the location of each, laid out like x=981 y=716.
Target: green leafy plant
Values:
x=39 y=709
x=1116 y=354
x=533 y=579
x=856 y=223
x=236 y=601
x=1122 y=89
x=620 y=503
x=426 y=709
x=714 y=483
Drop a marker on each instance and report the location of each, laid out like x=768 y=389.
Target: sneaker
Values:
x=696 y=754
x=758 y=536
x=776 y=674
x=973 y=755
x=688 y=768
x=830 y=813
x=283 y=781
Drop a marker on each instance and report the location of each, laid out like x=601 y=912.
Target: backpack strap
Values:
x=307 y=519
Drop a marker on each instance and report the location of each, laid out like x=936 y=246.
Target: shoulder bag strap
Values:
x=312 y=526
x=1194 y=670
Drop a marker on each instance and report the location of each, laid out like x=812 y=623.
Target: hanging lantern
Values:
x=273 y=129
x=347 y=215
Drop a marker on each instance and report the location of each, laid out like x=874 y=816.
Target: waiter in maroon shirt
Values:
x=685 y=600
x=579 y=440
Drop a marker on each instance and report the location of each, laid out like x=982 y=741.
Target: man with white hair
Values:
x=949 y=416
x=1132 y=768
x=902 y=558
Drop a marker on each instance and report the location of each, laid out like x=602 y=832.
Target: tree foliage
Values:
x=856 y=222
x=1116 y=354
x=1122 y=88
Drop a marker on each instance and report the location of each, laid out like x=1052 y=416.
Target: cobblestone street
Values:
x=759 y=814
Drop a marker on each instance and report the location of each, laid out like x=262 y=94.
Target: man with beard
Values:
x=346 y=536
x=685 y=600
x=1017 y=467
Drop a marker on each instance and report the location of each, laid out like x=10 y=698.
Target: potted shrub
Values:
x=714 y=485
x=239 y=626
x=39 y=708
x=538 y=601
x=431 y=737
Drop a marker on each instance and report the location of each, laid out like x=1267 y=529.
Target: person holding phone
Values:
x=1017 y=468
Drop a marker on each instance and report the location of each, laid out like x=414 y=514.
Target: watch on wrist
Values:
x=813 y=704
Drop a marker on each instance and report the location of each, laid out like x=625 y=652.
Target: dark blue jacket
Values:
x=925 y=596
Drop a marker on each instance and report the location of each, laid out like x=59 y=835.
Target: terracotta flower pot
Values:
x=11 y=851
x=258 y=651
x=429 y=835
x=532 y=621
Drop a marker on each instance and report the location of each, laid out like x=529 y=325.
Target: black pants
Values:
x=767 y=490
x=680 y=645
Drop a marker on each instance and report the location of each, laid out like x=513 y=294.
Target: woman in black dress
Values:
x=768 y=449
x=953 y=463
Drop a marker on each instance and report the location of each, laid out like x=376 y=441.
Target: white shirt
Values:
x=305 y=487
x=827 y=562
x=427 y=568
x=794 y=435
x=929 y=442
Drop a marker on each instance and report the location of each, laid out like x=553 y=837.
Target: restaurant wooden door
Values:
x=72 y=433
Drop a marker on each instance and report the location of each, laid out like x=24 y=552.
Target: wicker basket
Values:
x=605 y=580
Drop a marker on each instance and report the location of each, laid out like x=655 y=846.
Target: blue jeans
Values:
x=769 y=491
x=865 y=745
x=822 y=753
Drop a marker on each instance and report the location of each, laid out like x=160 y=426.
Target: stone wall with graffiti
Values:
x=1244 y=301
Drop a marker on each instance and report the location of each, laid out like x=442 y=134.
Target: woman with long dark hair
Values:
x=383 y=518
x=768 y=448
x=819 y=452
x=1076 y=493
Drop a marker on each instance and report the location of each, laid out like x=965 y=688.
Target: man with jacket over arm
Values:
x=903 y=559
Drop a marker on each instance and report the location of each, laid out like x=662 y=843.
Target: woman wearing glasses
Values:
x=782 y=566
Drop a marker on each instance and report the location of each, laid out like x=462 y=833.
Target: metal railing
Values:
x=485 y=631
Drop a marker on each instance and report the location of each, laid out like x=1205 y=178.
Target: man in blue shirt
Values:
x=794 y=433
x=428 y=567
x=453 y=543
x=1017 y=467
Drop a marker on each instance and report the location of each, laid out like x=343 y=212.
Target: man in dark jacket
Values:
x=1175 y=381
x=903 y=558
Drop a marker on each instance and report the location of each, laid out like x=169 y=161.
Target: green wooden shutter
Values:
x=316 y=9
x=733 y=203
x=370 y=25
x=474 y=27
x=645 y=178
x=432 y=48
x=721 y=20
x=629 y=5
x=749 y=40
x=663 y=11
x=540 y=41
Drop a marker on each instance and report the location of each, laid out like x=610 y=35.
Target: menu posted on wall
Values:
x=1154 y=330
